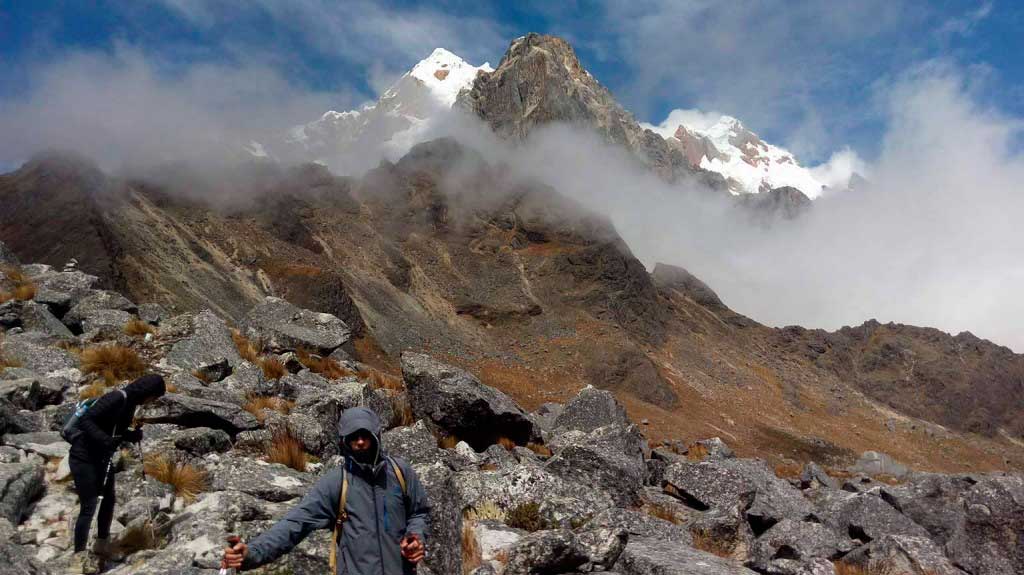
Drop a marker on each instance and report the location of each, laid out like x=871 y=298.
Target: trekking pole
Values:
x=145 y=490
x=106 y=474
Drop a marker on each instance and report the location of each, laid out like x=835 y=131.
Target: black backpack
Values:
x=71 y=430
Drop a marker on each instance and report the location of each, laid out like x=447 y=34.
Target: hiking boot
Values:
x=83 y=563
x=103 y=548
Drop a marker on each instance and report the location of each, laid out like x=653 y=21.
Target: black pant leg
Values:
x=106 y=515
x=87 y=483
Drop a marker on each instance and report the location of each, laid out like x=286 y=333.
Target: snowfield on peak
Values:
x=722 y=144
x=445 y=75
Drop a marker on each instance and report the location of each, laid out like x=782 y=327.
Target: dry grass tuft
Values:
x=484 y=510
x=202 y=376
x=526 y=516
x=112 y=362
x=788 y=470
x=696 y=452
x=285 y=449
x=402 y=409
x=448 y=442
x=323 y=366
x=186 y=479
x=505 y=442
x=540 y=449
x=706 y=542
x=272 y=367
x=662 y=511
x=472 y=556
x=873 y=568
x=255 y=404
x=380 y=380
x=138 y=328
x=249 y=350
x=23 y=289
x=6 y=362
x=137 y=538
x=93 y=390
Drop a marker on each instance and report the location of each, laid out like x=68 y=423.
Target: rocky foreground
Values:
x=249 y=426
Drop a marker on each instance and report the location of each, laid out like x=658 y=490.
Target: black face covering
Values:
x=368 y=457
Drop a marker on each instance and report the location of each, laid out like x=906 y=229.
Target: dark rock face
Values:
x=863 y=516
x=456 y=402
x=589 y=410
x=667 y=276
x=546 y=552
x=16 y=558
x=786 y=203
x=991 y=539
x=31 y=316
x=20 y=485
x=195 y=412
x=95 y=302
x=797 y=540
x=203 y=440
x=905 y=554
x=652 y=556
x=209 y=345
x=7 y=257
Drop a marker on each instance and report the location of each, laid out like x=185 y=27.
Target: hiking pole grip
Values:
x=232 y=541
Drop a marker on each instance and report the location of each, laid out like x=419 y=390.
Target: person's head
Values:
x=359 y=429
x=145 y=389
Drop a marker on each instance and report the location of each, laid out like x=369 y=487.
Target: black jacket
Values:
x=113 y=413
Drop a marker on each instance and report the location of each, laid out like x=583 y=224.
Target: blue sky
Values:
x=805 y=74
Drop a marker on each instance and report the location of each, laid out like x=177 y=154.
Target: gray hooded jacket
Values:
x=378 y=514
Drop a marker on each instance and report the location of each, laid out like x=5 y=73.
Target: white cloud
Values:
x=964 y=25
x=693 y=118
x=836 y=172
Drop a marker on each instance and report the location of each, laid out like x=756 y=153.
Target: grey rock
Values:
x=546 y=414
x=46 y=443
x=716 y=448
x=16 y=420
x=816 y=567
x=444 y=553
x=814 y=476
x=188 y=384
x=32 y=316
x=726 y=482
x=414 y=443
x=287 y=327
x=152 y=313
x=653 y=556
x=727 y=529
x=35 y=352
x=876 y=463
x=108 y=323
x=202 y=440
x=268 y=481
x=797 y=540
x=20 y=485
x=932 y=500
x=609 y=458
x=863 y=516
x=546 y=553
x=991 y=538
x=456 y=402
x=603 y=545
x=61 y=291
x=499 y=456
x=247 y=378
x=904 y=554
x=641 y=524
x=590 y=409
x=16 y=559
x=209 y=345
x=33 y=393
x=195 y=412
x=317 y=410
x=212 y=515
x=96 y=301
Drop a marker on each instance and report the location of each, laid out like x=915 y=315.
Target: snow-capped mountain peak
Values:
x=445 y=74
x=724 y=145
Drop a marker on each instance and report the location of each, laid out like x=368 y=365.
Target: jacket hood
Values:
x=355 y=418
x=143 y=388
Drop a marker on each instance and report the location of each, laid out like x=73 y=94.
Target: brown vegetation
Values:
x=662 y=511
x=246 y=348
x=540 y=449
x=323 y=366
x=873 y=568
x=287 y=450
x=526 y=516
x=471 y=554
x=380 y=380
x=788 y=470
x=255 y=404
x=112 y=362
x=6 y=362
x=93 y=390
x=506 y=443
x=138 y=328
x=272 y=367
x=23 y=289
x=696 y=452
x=448 y=442
x=202 y=376
x=186 y=479
x=402 y=410
x=713 y=545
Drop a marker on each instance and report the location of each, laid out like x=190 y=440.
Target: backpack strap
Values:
x=400 y=475
x=342 y=517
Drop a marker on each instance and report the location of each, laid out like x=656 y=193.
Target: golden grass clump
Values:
x=448 y=442
x=526 y=516
x=713 y=545
x=93 y=390
x=255 y=404
x=788 y=470
x=138 y=328
x=323 y=366
x=272 y=367
x=23 y=290
x=873 y=568
x=540 y=449
x=696 y=452
x=484 y=510
x=186 y=479
x=380 y=380
x=246 y=348
x=505 y=442
x=287 y=450
x=402 y=410
x=112 y=362
x=472 y=556
x=662 y=511
x=6 y=362
x=202 y=376
x=137 y=537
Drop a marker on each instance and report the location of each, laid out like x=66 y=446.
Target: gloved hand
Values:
x=132 y=436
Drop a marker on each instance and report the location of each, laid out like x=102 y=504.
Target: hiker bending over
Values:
x=385 y=517
x=99 y=430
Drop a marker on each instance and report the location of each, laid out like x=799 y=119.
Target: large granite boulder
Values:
x=864 y=516
x=35 y=352
x=33 y=393
x=16 y=559
x=209 y=345
x=609 y=458
x=97 y=301
x=104 y=323
x=20 y=485
x=267 y=481
x=904 y=554
x=934 y=501
x=48 y=444
x=60 y=291
x=590 y=409
x=444 y=544
x=285 y=327
x=991 y=538
x=202 y=440
x=876 y=463
x=546 y=553
x=414 y=443
x=654 y=556
x=797 y=540
x=32 y=316
x=456 y=402
x=195 y=412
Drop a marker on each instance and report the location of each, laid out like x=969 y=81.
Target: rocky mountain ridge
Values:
x=566 y=489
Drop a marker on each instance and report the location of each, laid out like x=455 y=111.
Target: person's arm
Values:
x=418 y=522
x=317 y=510
x=106 y=407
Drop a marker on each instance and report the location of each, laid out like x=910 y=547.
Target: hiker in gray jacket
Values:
x=386 y=515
